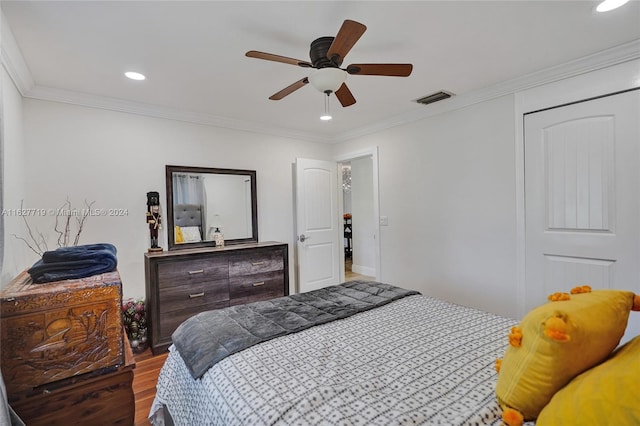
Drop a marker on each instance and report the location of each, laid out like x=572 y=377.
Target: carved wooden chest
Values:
x=60 y=329
x=97 y=398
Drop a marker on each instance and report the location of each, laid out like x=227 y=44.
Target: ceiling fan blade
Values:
x=345 y=96
x=392 y=70
x=278 y=58
x=289 y=89
x=349 y=33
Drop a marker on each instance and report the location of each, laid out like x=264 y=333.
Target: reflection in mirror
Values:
x=202 y=201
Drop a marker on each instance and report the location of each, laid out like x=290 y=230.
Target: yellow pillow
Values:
x=607 y=394
x=554 y=343
x=178 y=235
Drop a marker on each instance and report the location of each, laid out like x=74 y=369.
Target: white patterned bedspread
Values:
x=415 y=361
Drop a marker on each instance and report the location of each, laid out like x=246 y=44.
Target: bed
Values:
x=411 y=360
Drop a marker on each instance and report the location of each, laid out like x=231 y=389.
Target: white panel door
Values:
x=317 y=225
x=582 y=195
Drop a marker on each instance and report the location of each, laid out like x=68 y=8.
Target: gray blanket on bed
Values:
x=208 y=337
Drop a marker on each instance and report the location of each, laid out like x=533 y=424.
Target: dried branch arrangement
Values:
x=67 y=218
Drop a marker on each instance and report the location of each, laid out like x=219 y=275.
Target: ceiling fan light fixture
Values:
x=327 y=55
x=326 y=116
x=327 y=79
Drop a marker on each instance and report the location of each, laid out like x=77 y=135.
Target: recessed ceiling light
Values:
x=608 y=5
x=134 y=75
x=325 y=117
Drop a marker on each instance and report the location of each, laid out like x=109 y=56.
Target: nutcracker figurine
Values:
x=154 y=219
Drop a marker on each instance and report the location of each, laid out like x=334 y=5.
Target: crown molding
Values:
x=121 y=105
x=12 y=59
x=18 y=70
x=623 y=53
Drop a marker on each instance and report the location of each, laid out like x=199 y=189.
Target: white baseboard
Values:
x=364 y=270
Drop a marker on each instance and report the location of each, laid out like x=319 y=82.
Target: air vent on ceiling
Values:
x=434 y=97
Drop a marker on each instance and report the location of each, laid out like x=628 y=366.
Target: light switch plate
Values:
x=384 y=221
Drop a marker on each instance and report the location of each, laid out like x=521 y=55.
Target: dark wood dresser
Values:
x=182 y=283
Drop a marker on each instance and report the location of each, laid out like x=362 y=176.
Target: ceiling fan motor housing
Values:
x=318 y=53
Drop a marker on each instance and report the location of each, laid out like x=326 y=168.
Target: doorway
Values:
x=359 y=208
x=320 y=220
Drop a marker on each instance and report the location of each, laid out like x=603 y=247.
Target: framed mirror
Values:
x=201 y=200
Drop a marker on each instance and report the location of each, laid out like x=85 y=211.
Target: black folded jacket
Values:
x=74 y=262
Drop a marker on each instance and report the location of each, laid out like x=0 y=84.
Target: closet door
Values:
x=582 y=190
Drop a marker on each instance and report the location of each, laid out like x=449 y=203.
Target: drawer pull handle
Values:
x=193 y=296
x=199 y=271
x=257 y=263
x=258 y=284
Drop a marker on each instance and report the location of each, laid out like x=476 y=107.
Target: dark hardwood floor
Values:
x=145 y=375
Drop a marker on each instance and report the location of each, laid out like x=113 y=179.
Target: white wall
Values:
x=447 y=185
x=454 y=239
x=115 y=158
x=15 y=252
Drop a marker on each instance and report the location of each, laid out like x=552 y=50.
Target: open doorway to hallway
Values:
x=349 y=275
x=359 y=220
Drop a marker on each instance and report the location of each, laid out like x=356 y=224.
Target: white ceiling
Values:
x=193 y=54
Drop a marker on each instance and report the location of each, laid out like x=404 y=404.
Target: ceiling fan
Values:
x=327 y=54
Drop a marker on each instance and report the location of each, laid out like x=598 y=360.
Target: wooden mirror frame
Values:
x=170 y=170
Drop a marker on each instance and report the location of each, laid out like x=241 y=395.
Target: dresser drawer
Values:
x=169 y=321
x=193 y=295
x=255 y=262
x=185 y=272
x=256 y=287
